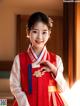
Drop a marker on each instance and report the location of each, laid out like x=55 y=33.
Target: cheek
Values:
x=46 y=38
x=32 y=38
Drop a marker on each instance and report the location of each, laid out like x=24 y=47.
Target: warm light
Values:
x=72 y=96
x=75 y=93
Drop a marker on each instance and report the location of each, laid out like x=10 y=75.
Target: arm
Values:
x=15 y=84
x=57 y=72
x=62 y=84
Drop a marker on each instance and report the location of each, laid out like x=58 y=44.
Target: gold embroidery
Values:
x=38 y=73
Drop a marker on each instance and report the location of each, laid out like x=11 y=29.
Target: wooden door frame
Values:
x=70 y=41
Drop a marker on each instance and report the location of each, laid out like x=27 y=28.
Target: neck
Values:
x=37 y=50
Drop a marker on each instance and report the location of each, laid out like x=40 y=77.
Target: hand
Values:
x=49 y=67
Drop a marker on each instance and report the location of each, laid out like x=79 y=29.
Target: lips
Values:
x=39 y=42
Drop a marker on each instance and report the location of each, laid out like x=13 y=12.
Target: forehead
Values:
x=40 y=26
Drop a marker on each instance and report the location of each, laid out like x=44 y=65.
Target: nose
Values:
x=39 y=36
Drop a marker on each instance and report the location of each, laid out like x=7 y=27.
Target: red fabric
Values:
x=15 y=103
x=39 y=96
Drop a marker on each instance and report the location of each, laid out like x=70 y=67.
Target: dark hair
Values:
x=38 y=17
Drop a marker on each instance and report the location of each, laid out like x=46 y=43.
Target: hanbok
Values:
x=31 y=86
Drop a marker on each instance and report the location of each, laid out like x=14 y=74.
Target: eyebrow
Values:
x=37 y=29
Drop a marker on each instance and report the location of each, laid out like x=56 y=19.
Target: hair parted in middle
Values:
x=39 y=17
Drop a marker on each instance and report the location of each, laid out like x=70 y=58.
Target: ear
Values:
x=49 y=33
x=27 y=34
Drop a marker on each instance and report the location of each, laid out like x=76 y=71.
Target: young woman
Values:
x=37 y=74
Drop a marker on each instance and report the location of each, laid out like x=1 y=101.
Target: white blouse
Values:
x=15 y=81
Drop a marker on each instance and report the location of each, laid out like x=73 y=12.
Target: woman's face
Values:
x=39 y=35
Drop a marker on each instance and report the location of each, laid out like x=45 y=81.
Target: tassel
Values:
x=30 y=78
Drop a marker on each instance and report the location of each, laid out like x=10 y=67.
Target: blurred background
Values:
x=64 y=41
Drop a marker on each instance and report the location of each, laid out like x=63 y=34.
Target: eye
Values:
x=34 y=31
x=45 y=32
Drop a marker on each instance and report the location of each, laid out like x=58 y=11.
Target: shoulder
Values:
x=19 y=55
x=56 y=58
x=16 y=58
x=54 y=55
x=22 y=53
x=59 y=63
x=24 y=57
x=52 y=58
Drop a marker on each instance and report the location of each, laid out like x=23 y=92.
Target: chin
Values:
x=39 y=46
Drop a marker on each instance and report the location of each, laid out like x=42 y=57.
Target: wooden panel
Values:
x=69 y=40
x=5 y=65
x=10 y=102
